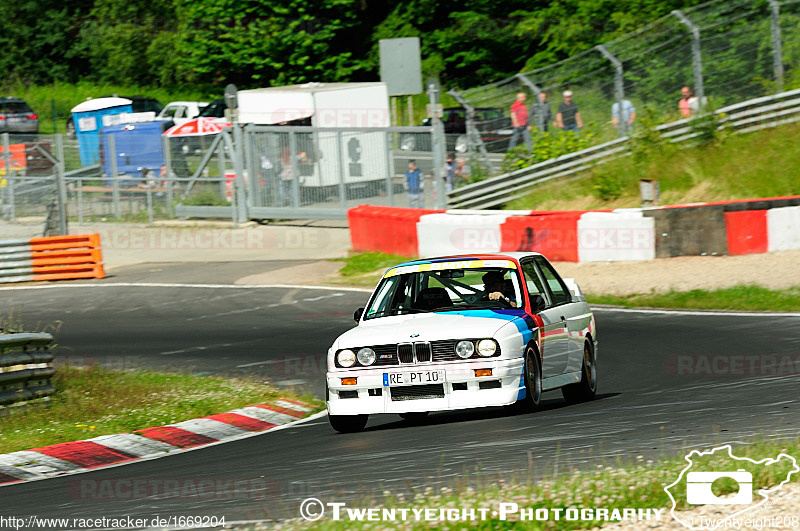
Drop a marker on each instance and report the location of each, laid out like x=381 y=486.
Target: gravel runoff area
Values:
x=776 y=271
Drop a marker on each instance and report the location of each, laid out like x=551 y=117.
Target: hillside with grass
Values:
x=754 y=165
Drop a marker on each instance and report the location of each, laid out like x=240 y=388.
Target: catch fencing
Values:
x=726 y=51
x=752 y=115
x=26 y=367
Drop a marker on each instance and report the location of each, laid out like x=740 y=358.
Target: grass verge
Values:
x=730 y=167
x=365 y=269
x=743 y=298
x=638 y=484
x=95 y=401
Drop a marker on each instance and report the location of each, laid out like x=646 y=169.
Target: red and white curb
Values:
x=149 y=443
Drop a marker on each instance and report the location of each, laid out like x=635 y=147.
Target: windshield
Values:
x=215 y=109
x=445 y=290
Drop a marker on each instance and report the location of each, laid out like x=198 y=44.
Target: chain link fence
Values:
x=725 y=51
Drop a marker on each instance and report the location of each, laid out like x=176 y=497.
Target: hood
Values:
x=428 y=326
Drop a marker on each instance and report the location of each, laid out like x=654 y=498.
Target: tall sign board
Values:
x=401 y=67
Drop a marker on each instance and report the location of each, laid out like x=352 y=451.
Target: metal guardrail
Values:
x=26 y=367
x=745 y=117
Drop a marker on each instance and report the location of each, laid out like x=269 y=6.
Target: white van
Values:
x=181 y=112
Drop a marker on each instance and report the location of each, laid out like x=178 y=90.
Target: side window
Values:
x=560 y=292
x=532 y=280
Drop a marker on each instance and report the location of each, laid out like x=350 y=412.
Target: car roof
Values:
x=482 y=256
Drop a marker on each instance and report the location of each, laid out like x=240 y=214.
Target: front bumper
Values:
x=460 y=388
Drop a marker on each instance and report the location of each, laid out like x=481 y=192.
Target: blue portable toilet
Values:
x=89 y=118
x=137 y=147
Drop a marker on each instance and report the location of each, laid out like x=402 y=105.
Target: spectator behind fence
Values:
x=542 y=113
x=414 y=185
x=568 y=117
x=462 y=171
x=519 y=121
x=684 y=104
x=628 y=117
x=450 y=172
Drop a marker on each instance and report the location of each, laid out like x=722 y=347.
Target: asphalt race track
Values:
x=667 y=382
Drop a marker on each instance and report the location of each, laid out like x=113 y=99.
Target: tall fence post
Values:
x=619 y=89
x=166 y=147
x=777 y=50
x=295 y=192
x=538 y=104
x=112 y=147
x=237 y=154
x=696 y=57
x=439 y=147
x=9 y=178
x=472 y=131
x=389 y=169
x=342 y=187
x=61 y=186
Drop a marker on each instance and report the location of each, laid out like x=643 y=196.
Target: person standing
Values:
x=628 y=116
x=450 y=172
x=568 y=117
x=519 y=121
x=542 y=114
x=414 y=185
x=462 y=171
x=684 y=104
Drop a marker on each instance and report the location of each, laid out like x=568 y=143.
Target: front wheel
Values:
x=586 y=389
x=533 y=381
x=348 y=423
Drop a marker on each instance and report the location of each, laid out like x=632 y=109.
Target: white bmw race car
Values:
x=462 y=332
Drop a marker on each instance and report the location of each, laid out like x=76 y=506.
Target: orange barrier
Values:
x=51 y=258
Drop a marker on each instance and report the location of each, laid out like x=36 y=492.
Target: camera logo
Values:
x=698 y=488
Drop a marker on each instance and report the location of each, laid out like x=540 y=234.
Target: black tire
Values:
x=533 y=382
x=348 y=423
x=586 y=389
x=70 y=128
x=415 y=417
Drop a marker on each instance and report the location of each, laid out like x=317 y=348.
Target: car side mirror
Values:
x=357 y=315
x=537 y=303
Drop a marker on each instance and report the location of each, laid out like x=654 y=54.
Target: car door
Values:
x=554 y=336
x=574 y=314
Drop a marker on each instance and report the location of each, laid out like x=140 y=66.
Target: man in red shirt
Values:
x=519 y=121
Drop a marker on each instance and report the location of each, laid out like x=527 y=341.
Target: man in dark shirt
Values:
x=568 y=117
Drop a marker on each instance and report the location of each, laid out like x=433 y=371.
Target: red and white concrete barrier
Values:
x=733 y=227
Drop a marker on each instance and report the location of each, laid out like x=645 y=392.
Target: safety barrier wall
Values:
x=706 y=229
x=385 y=229
x=51 y=258
x=26 y=367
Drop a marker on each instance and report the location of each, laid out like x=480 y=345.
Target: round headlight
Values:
x=366 y=356
x=346 y=358
x=465 y=349
x=487 y=347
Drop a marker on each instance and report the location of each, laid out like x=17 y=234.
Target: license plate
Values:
x=412 y=378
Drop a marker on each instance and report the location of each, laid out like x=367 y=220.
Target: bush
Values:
x=607 y=186
x=546 y=146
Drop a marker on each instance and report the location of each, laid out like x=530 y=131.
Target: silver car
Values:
x=17 y=117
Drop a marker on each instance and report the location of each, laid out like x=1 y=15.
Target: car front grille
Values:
x=417 y=392
x=405 y=353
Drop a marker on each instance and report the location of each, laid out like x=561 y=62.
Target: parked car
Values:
x=16 y=116
x=181 y=112
x=138 y=104
x=493 y=126
x=215 y=109
x=463 y=332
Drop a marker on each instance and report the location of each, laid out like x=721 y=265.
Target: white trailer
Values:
x=358 y=154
